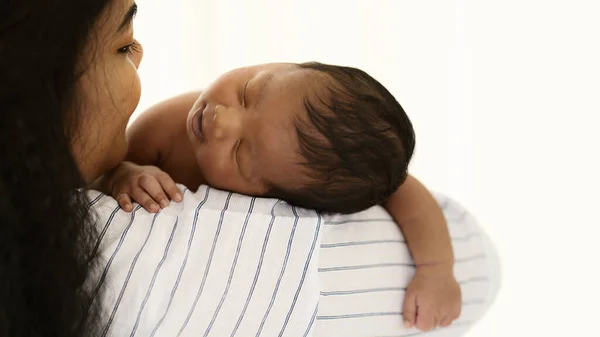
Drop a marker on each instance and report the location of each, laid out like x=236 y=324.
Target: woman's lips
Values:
x=197 y=123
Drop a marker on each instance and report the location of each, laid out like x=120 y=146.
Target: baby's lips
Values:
x=197 y=122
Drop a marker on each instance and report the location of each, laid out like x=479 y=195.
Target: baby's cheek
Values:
x=217 y=170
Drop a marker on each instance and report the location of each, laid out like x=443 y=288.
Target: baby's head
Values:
x=319 y=136
x=356 y=142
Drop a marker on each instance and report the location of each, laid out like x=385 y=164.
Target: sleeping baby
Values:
x=324 y=137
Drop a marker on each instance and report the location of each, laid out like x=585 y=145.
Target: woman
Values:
x=68 y=85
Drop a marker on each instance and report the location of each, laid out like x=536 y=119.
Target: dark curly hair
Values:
x=46 y=231
x=356 y=145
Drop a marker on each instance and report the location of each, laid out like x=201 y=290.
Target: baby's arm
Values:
x=151 y=136
x=422 y=223
x=433 y=297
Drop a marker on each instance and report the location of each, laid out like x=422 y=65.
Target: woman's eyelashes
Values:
x=130 y=48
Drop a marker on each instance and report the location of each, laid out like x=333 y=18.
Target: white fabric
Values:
x=222 y=264
x=365 y=267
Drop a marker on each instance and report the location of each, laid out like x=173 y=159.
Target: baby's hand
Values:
x=146 y=185
x=433 y=298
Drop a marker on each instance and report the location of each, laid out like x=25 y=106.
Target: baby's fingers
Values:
x=144 y=199
x=153 y=188
x=169 y=186
x=426 y=320
x=409 y=309
x=446 y=321
x=452 y=314
x=125 y=202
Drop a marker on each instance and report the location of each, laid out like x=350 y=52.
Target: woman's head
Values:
x=88 y=74
x=107 y=92
x=67 y=88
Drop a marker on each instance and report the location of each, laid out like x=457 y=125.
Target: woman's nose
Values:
x=228 y=122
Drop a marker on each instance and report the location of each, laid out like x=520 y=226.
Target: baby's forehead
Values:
x=278 y=137
x=290 y=91
x=285 y=97
x=283 y=113
x=278 y=150
x=279 y=159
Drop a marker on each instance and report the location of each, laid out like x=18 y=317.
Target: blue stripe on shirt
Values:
x=187 y=253
x=207 y=270
x=306 y=264
x=258 y=269
x=232 y=271
x=285 y=261
x=149 y=291
x=131 y=268
x=114 y=254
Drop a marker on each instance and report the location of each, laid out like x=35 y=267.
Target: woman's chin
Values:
x=113 y=158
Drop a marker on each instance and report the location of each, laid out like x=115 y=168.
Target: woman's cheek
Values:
x=132 y=99
x=118 y=126
x=118 y=151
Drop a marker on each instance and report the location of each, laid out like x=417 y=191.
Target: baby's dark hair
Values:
x=356 y=147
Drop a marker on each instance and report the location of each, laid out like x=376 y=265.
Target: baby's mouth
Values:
x=197 y=123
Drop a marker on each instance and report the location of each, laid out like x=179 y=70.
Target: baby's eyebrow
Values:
x=263 y=84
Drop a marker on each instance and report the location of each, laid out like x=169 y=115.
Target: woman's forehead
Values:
x=116 y=14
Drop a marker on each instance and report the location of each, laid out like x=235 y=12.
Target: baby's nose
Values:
x=228 y=122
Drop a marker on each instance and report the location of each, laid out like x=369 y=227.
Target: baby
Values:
x=319 y=136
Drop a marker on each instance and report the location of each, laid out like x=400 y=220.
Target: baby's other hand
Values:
x=433 y=298
x=146 y=185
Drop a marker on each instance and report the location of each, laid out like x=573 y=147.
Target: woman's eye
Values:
x=129 y=49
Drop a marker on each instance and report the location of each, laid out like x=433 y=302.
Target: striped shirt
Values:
x=223 y=264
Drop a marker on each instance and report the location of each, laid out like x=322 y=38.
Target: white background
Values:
x=504 y=97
